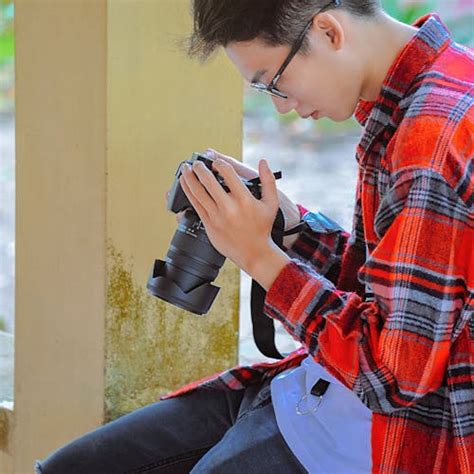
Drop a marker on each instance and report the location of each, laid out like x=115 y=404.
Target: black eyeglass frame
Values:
x=271 y=88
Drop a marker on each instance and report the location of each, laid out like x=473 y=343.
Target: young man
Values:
x=384 y=380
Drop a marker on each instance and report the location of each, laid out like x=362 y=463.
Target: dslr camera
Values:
x=192 y=263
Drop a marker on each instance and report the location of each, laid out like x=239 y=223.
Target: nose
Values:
x=283 y=106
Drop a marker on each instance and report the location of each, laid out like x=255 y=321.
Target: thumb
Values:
x=269 y=188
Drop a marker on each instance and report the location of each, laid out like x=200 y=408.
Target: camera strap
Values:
x=263 y=326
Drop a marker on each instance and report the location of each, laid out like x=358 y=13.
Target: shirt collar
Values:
x=428 y=42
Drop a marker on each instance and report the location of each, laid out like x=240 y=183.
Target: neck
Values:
x=382 y=44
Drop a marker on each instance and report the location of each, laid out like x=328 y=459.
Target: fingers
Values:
x=242 y=170
x=231 y=178
x=209 y=181
x=269 y=188
x=197 y=194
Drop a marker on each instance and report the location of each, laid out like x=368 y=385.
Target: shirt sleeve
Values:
x=393 y=350
x=329 y=250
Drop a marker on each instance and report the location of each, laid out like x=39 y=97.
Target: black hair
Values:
x=277 y=22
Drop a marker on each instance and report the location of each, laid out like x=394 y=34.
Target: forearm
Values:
x=293 y=215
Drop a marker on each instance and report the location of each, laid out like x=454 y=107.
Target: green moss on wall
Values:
x=4 y=430
x=153 y=347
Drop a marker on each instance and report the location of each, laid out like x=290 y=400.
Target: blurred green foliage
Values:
x=3 y=324
x=408 y=11
x=7 y=39
x=7 y=54
x=458 y=15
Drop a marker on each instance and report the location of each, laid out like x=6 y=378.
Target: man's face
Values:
x=325 y=82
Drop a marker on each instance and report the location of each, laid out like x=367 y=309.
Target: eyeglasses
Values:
x=271 y=87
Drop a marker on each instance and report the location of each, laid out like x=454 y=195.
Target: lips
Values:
x=315 y=115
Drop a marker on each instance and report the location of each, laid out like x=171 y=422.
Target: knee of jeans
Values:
x=66 y=459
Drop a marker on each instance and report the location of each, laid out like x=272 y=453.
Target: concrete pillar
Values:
x=107 y=105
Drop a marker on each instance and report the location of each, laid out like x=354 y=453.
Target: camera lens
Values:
x=191 y=264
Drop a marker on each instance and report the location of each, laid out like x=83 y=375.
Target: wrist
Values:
x=292 y=222
x=269 y=262
x=289 y=240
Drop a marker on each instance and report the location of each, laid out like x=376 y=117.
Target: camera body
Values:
x=178 y=201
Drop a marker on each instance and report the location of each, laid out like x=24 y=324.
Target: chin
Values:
x=341 y=116
x=337 y=117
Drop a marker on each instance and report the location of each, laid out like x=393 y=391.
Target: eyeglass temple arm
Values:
x=298 y=43
x=293 y=51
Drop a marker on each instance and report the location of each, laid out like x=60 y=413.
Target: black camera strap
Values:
x=263 y=326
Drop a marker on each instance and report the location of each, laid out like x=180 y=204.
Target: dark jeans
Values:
x=206 y=431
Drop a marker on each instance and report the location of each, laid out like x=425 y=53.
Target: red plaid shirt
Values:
x=407 y=351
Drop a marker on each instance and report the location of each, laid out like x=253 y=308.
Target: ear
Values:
x=329 y=27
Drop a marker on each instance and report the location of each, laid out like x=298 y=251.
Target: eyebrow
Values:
x=258 y=75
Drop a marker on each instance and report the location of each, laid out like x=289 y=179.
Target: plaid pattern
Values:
x=388 y=309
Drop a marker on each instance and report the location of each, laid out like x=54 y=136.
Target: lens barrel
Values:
x=191 y=264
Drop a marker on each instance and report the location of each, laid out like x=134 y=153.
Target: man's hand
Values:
x=238 y=225
x=290 y=210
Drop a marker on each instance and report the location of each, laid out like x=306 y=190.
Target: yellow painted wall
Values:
x=61 y=145
x=161 y=107
x=107 y=106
